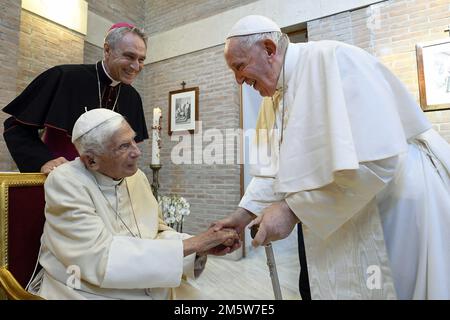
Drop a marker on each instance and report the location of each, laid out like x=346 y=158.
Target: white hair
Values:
x=246 y=42
x=115 y=35
x=96 y=139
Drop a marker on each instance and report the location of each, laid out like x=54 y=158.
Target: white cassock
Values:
x=366 y=175
x=87 y=250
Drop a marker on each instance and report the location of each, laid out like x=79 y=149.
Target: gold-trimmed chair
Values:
x=22 y=204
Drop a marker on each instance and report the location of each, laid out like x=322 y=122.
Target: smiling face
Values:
x=257 y=66
x=124 y=62
x=121 y=159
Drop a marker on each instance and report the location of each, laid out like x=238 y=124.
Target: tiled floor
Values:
x=247 y=278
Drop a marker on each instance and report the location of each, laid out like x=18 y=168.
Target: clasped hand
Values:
x=215 y=242
x=275 y=222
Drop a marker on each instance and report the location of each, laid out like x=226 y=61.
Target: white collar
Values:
x=105 y=181
x=288 y=66
x=280 y=79
x=289 y=63
x=114 y=82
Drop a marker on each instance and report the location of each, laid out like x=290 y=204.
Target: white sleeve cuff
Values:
x=259 y=195
x=143 y=263
x=188 y=261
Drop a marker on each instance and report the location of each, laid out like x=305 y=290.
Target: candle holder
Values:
x=155 y=184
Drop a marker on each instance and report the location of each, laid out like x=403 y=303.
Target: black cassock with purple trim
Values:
x=54 y=101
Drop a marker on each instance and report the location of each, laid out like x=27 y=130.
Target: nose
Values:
x=135 y=151
x=135 y=65
x=239 y=78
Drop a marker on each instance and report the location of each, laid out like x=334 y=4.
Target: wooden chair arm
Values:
x=13 y=289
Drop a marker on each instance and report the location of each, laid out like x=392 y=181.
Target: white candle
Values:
x=156 y=135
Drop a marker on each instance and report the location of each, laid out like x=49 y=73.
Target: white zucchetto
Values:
x=253 y=24
x=90 y=120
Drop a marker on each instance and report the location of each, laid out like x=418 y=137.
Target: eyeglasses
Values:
x=126 y=147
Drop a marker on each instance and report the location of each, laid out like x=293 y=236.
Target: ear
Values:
x=90 y=161
x=270 y=47
x=106 y=50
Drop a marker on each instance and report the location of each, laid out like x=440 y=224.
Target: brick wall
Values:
x=119 y=10
x=44 y=44
x=349 y=27
x=165 y=15
x=9 y=46
x=213 y=190
x=31 y=45
x=92 y=53
x=390 y=30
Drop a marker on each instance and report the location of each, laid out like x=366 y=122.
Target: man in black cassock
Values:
x=57 y=97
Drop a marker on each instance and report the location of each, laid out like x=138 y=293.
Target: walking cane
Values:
x=271 y=264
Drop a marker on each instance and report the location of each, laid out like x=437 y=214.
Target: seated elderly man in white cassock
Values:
x=103 y=237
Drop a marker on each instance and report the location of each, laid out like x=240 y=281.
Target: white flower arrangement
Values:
x=174 y=208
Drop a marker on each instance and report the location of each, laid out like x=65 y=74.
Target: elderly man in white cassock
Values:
x=103 y=236
x=353 y=159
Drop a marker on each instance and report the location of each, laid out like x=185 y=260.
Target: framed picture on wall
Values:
x=433 y=67
x=183 y=110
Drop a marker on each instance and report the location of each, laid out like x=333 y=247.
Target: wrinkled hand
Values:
x=237 y=221
x=207 y=242
x=275 y=223
x=52 y=164
x=222 y=249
